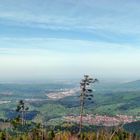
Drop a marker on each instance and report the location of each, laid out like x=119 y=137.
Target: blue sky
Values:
x=62 y=39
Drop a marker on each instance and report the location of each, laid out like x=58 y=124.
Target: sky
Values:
x=65 y=39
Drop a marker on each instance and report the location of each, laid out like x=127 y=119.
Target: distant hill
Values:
x=118 y=98
x=128 y=86
x=135 y=85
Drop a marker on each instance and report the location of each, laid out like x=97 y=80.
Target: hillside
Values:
x=109 y=99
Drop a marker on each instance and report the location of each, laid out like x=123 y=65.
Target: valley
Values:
x=64 y=99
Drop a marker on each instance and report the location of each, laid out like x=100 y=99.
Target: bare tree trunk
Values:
x=130 y=137
x=97 y=136
x=116 y=130
x=22 y=117
x=6 y=136
x=81 y=114
x=42 y=137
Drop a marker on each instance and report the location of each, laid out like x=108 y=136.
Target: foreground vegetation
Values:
x=33 y=131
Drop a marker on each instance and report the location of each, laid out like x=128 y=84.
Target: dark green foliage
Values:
x=22 y=109
x=16 y=122
x=85 y=95
x=51 y=135
x=133 y=127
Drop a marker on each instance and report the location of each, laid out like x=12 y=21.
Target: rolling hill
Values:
x=108 y=99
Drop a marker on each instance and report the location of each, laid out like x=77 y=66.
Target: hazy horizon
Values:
x=60 y=39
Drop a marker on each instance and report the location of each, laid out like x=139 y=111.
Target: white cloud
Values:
x=120 y=17
x=37 y=58
x=42 y=46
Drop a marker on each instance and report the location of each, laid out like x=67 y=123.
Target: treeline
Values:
x=42 y=134
x=21 y=129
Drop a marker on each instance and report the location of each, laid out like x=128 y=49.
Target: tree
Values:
x=86 y=94
x=22 y=109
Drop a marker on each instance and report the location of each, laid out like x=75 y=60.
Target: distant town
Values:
x=104 y=120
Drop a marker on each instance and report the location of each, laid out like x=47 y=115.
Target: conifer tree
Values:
x=85 y=95
x=21 y=108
